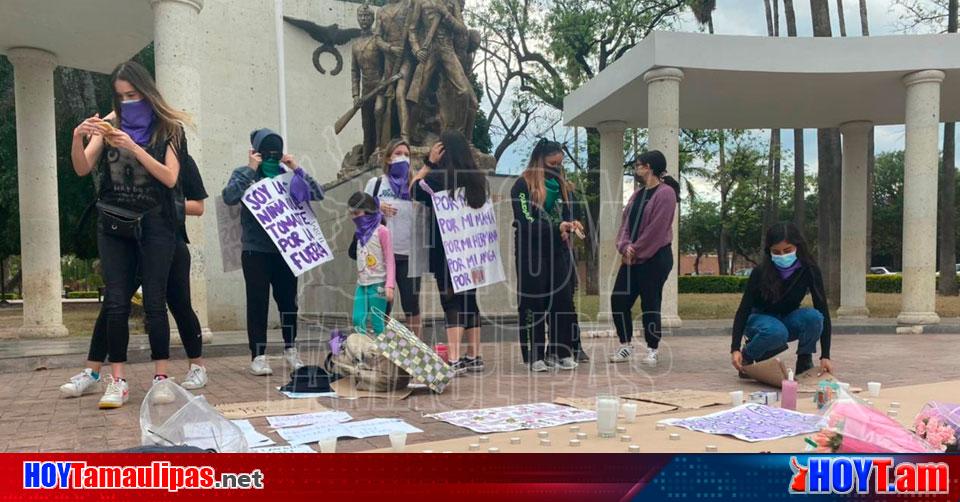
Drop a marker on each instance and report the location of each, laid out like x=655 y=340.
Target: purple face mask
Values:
x=366 y=225
x=397 y=176
x=136 y=119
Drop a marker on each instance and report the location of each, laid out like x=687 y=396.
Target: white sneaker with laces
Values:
x=539 y=367
x=568 y=363
x=651 y=357
x=161 y=394
x=80 y=384
x=196 y=378
x=117 y=393
x=622 y=355
x=293 y=358
x=259 y=366
x=551 y=361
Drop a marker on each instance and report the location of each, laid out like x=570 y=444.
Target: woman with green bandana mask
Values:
x=546 y=273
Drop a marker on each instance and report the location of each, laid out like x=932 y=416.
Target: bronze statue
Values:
x=367 y=73
x=395 y=31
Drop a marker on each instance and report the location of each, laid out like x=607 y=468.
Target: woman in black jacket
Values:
x=546 y=276
x=770 y=314
x=450 y=166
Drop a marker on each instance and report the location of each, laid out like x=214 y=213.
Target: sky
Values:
x=747 y=17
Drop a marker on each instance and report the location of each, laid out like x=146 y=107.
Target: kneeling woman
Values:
x=770 y=315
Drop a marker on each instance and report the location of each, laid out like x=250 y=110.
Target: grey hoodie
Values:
x=254 y=237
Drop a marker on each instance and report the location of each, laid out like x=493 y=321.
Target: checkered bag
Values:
x=400 y=345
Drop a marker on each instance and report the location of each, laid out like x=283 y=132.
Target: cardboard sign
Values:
x=292 y=227
x=230 y=232
x=684 y=399
x=254 y=409
x=471 y=241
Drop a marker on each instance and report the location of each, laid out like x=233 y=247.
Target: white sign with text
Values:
x=470 y=239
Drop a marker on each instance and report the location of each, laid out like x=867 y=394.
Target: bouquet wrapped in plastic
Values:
x=938 y=423
x=853 y=426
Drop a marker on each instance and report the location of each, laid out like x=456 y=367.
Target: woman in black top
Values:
x=137 y=151
x=770 y=314
x=450 y=166
x=546 y=275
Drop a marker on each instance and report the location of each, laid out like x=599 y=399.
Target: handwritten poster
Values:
x=752 y=422
x=229 y=230
x=471 y=241
x=292 y=227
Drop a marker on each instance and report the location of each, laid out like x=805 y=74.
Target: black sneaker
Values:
x=582 y=357
x=473 y=364
x=804 y=363
x=459 y=367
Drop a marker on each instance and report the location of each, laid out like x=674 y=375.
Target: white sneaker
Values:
x=117 y=393
x=260 y=366
x=162 y=394
x=568 y=363
x=539 y=367
x=551 y=361
x=196 y=378
x=293 y=358
x=80 y=384
x=622 y=355
x=651 y=357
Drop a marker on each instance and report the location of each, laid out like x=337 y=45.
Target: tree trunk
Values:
x=864 y=25
x=799 y=175
x=3 y=281
x=766 y=6
x=771 y=209
x=948 y=188
x=592 y=285
x=840 y=17
x=871 y=154
x=828 y=179
x=696 y=263
x=722 y=240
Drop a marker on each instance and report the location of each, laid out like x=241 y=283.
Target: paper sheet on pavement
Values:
x=321 y=418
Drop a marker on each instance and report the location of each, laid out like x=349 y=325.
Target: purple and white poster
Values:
x=752 y=422
x=292 y=227
x=471 y=241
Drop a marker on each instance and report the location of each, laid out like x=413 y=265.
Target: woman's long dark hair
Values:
x=460 y=169
x=771 y=285
x=658 y=165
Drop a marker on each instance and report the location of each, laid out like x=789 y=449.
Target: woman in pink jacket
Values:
x=644 y=243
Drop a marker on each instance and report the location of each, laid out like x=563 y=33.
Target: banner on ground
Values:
x=292 y=227
x=471 y=241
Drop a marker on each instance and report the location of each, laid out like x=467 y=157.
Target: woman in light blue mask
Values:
x=770 y=315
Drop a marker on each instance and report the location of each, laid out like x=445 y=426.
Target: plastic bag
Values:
x=939 y=424
x=853 y=426
x=360 y=359
x=186 y=420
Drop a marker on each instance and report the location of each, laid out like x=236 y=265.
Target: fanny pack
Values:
x=120 y=222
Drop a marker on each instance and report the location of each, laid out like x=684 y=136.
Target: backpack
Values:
x=352 y=250
x=360 y=360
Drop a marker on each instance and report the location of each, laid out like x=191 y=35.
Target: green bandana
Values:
x=270 y=168
x=553 y=194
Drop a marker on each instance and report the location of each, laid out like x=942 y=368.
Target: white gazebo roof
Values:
x=91 y=35
x=747 y=82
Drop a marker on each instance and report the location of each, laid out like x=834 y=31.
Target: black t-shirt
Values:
x=636 y=210
x=125 y=183
x=190 y=187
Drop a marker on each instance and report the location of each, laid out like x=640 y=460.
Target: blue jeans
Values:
x=766 y=333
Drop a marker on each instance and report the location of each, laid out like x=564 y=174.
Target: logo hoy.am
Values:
x=832 y=475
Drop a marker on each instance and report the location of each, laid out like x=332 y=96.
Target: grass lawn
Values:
x=724 y=306
x=77 y=317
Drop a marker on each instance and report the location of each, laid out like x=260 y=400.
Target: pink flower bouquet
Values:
x=939 y=425
x=853 y=426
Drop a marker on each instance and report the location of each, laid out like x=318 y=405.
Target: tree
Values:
x=698 y=229
x=747 y=177
x=888 y=210
x=799 y=175
x=772 y=192
x=828 y=179
x=871 y=153
x=948 y=192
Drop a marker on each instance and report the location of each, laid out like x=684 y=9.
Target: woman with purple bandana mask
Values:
x=770 y=315
x=138 y=149
x=392 y=189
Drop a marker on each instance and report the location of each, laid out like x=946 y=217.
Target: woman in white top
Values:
x=392 y=188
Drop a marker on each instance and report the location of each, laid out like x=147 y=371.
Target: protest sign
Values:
x=230 y=232
x=471 y=241
x=292 y=227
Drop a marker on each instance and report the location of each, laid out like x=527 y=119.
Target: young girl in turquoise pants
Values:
x=376 y=269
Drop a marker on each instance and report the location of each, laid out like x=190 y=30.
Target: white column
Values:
x=921 y=159
x=176 y=51
x=663 y=121
x=611 y=209
x=853 y=221
x=37 y=185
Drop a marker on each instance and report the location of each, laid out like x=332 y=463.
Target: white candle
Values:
x=328 y=445
x=607 y=409
x=874 y=388
x=736 y=398
x=398 y=440
x=630 y=412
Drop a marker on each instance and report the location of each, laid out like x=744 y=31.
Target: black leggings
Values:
x=261 y=271
x=557 y=310
x=459 y=309
x=645 y=280
x=120 y=260
x=408 y=287
x=178 y=300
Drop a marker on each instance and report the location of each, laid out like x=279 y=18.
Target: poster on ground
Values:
x=292 y=227
x=471 y=241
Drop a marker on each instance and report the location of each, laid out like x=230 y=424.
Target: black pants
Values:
x=408 y=287
x=178 y=301
x=556 y=308
x=645 y=280
x=459 y=309
x=261 y=271
x=120 y=260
